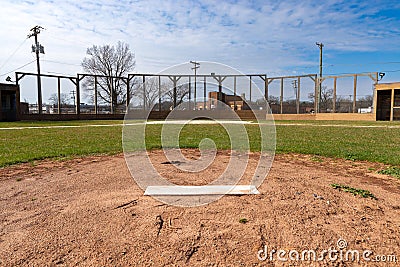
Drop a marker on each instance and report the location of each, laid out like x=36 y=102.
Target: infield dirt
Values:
x=90 y=212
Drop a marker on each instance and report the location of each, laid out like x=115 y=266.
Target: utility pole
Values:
x=196 y=65
x=37 y=48
x=320 y=45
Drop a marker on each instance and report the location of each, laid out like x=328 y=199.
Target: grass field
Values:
x=323 y=138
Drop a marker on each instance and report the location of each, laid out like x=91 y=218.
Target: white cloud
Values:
x=253 y=36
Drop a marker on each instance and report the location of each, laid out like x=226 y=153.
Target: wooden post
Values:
x=144 y=91
x=174 y=81
x=205 y=93
x=16 y=78
x=298 y=96
x=112 y=96
x=195 y=91
x=391 y=105
x=334 y=95
x=375 y=103
x=355 y=94
x=234 y=85
x=316 y=99
x=78 y=99
x=58 y=95
x=374 y=94
x=266 y=83
x=250 y=89
x=18 y=102
x=159 y=93
x=234 y=92
x=219 y=79
x=281 y=98
x=95 y=95
x=128 y=97
x=190 y=97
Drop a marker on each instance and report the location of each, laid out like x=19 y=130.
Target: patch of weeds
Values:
x=371 y=169
x=350 y=156
x=392 y=171
x=354 y=191
x=19 y=179
x=316 y=158
x=243 y=220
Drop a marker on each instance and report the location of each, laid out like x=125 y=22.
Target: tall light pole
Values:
x=320 y=45
x=37 y=48
x=196 y=65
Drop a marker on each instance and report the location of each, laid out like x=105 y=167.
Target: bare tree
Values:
x=148 y=92
x=344 y=104
x=64 y=99
x=366 y=101
x=326 y=98
x=182 y=92
x=273 y=99
x=109 y=62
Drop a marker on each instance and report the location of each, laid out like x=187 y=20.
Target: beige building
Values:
x=387 y=101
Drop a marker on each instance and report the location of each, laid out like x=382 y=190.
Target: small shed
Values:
x=9 y=102
x=387 y=101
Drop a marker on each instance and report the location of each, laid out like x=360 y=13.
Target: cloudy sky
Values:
x=273 y=37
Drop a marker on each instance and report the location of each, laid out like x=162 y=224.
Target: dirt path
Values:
x=90 y=212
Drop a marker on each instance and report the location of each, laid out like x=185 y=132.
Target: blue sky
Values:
x=273 y=37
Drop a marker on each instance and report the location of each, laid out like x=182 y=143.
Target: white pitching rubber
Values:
x=178 y=190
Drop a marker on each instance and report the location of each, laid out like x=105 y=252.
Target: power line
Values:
x=13 y=53
x=344 y=73
x=18 y=68
x=338 y=73
x=59 y=73
x=300 y=69
x=363 y=64
x=59 y=62
x=49 y=33
x=391 y=71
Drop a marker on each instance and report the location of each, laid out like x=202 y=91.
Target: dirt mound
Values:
x=90 y=212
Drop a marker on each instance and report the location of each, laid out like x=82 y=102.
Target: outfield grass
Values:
x=344 y=123
x=372 y=144
x=57 y=123
x=33 y=144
